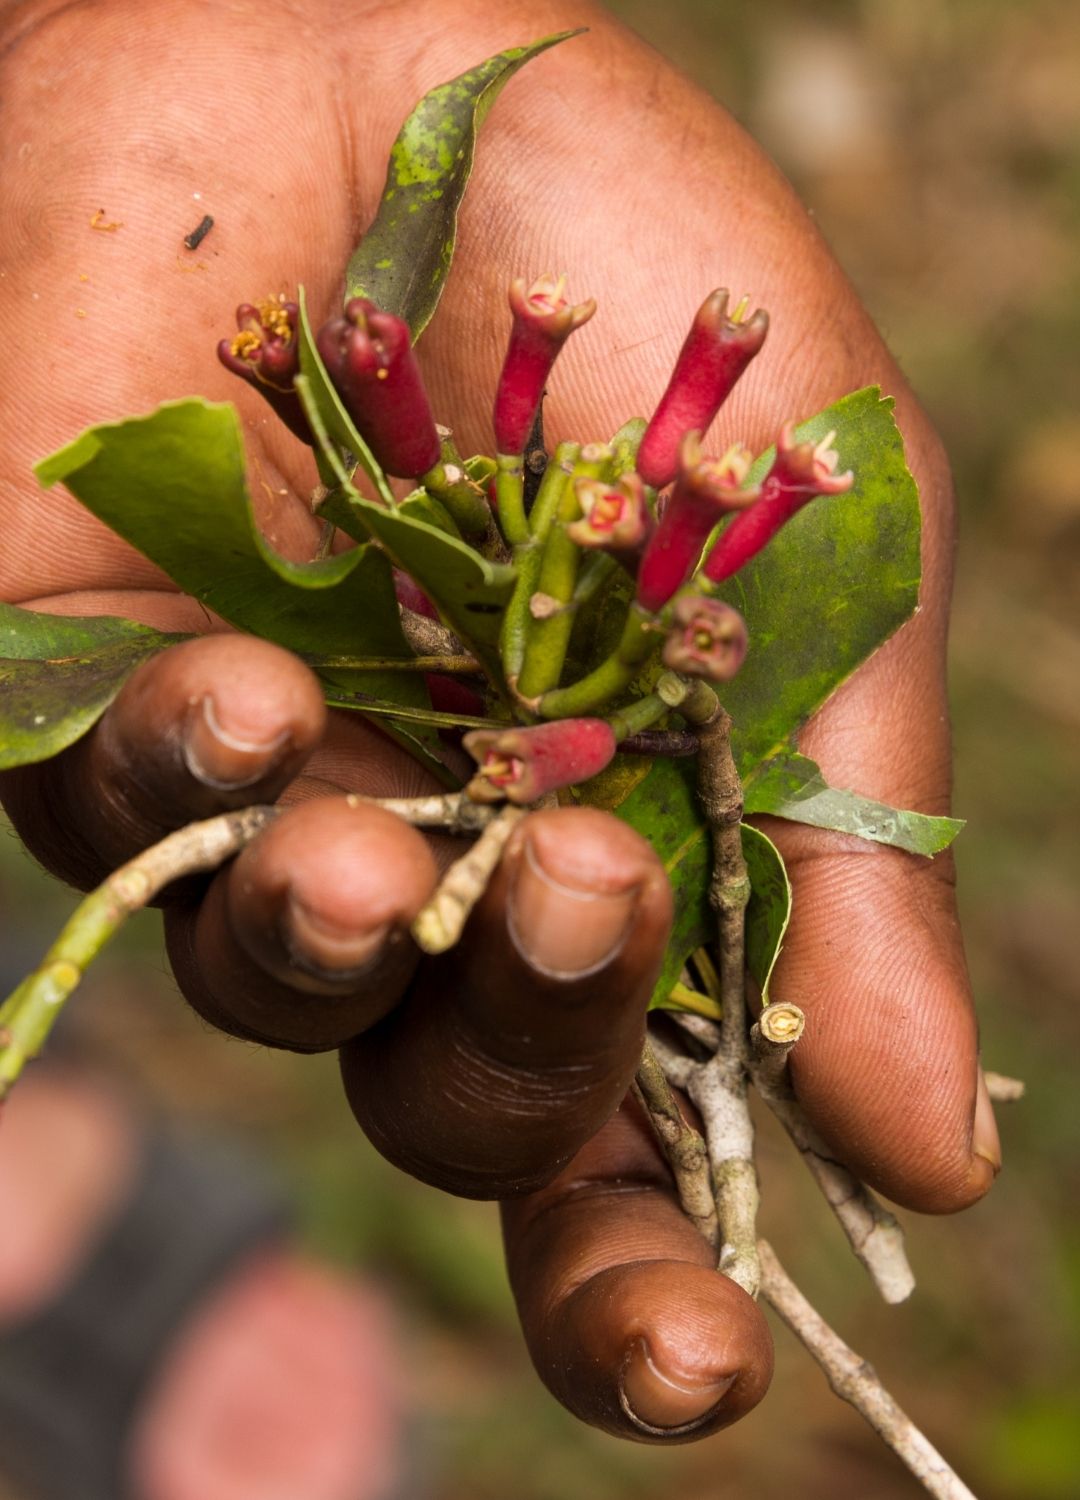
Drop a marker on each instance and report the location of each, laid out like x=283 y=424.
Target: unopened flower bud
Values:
x=708 y=639
x=706 y=491
x=800 y=472
x=264 y=352
x=521 y=765
x=615 y=517
x=543 y=321
x=369 y=357
x=717 y=350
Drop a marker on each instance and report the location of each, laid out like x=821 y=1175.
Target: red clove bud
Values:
x=521 y=765
x=800 y=471
x=264 y=353
x=717 y=350
x=370 y=359
x=615 y=517
x=543 y=321
x=706 y=490
x=708 y=639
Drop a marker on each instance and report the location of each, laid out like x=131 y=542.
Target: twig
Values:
x=874 y=1234
x=855 y=1381
x=29 y=1013
x=666 y=742
x=704 y=1030
x=683 y=1146
x=1004 y=1090
x=451 y=812
x=27 y=1017
x=326 y=541
x=679 y=1070
x=440 y=923
x=719 y=1088
x=772 y=1037
x=427 y=637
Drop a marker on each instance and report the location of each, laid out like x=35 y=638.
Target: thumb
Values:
x=887 y=1069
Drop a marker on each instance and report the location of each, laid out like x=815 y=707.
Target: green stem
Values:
x=643 y=713
x=510 y=498
x=28 y=1015
x=468 y=665
x=449 y=482
x=596 y=461
x=382 y=709
x=596 y=569
x=528 y=560
x=547 y=638
x=553 y=487
x=683 y=998
x=516 y=618
x=638 y=642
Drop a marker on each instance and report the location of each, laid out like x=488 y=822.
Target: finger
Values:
x=211 y=724
x=304 y=941
x=627 y=1321
x=511 y=1052
x=888 y=1066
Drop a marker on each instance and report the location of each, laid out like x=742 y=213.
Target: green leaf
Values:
x=469 y=591
x=792 y=786
x=403 y=259
x=820 y=599
x=626 y=442
x=688 y=865
x=59 y=674
x=769 y=909
x=839 y=579
x=663 y=809
x=172 y=484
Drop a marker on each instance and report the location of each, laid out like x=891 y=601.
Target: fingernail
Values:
x=985 y=1141
x=564 y=932
x=221 y=757
x=656 y=1401
x=329 y=948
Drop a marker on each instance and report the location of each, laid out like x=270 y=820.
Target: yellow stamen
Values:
x=245 y=345
x=275 y=319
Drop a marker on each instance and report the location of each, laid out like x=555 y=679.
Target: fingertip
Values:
x=323 y=900
x=586 y=850
x=664 y=1404
x=658 y=1351
x=303 y=942
x=210 y=724
x=239 y=708
x=338 y=864
x=975 y=1162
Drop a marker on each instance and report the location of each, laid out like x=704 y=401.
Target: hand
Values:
x=490 y=1071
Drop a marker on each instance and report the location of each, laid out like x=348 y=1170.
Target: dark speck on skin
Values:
x=199 y=233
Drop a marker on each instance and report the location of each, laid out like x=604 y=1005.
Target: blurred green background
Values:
x=938 y=145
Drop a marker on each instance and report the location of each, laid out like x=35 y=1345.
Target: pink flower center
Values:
x=503 y=770
x=607 y=511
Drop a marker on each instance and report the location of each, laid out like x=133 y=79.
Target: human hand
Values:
x=616 y=1292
